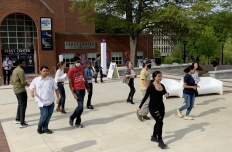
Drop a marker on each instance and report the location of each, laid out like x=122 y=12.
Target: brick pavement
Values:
x=3 y=143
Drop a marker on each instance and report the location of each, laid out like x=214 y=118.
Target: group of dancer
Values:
x=154 y=92
x=42 y=88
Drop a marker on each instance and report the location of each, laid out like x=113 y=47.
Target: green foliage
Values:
x=156 y=53
x=228 y=52
x=176 y=56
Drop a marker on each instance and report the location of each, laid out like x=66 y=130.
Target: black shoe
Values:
x=80 y=126
x=146 y=118
x=47 y=131
x=102 y=81
x=96 y=82
x=70 y=121
x=89 y=107
x=155 y=139
x=39 y=130
x=140 y=117
x=131 y=101
x=162 y=145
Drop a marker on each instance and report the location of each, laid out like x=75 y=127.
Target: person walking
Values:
x=215 y=64
x=130 y=75
x=98 y=68
x=42 y=89
x=7 y=66
x=77 y=83
x=156 y=91
x=19 y=84
x=89 y=72
x=59 y=79
x=189 y=93
x=195 y=75
x=144 y=83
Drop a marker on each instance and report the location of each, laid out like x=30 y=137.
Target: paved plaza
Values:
x=113 y=125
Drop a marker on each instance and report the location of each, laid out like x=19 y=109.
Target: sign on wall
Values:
x=17 y=51
x=46 y=33
x=80 y=45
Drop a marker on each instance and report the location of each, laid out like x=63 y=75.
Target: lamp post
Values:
x=184 y=57
x=222 y=52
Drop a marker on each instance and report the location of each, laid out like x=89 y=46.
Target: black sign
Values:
x=17 y=51
x=46 y=33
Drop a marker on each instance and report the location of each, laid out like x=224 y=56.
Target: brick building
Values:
x=41 y=30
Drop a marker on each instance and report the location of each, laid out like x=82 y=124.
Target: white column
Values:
x=103 y=57
x=61 y=57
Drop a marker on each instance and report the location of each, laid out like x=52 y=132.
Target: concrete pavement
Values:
x=113 y=126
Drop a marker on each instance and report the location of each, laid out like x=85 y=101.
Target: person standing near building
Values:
x=156 y=91
x=7 y=65
x=42 y=88
x=77 y=83
x=144 y=83
x=19 y=84
x=215 y=64
x=59 y=79
x=189 y=93
x=89 y=72
x=98 y=68
x=130 y=75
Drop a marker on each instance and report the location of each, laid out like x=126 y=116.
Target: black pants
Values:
x=7 y=74
x=22 y=106
x=62 y=95
x=90 y=94
x=132 y=89
x=101 y=75
x=159 y=116
x=78 y=111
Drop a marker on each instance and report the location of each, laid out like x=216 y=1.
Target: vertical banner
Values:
x=46 y=33
x=103 y=56
x=83 y=59
x=107 y=58
x=126 y=57
x=61 y=58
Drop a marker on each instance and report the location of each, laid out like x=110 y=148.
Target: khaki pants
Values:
x=215 y=68
x=144 y=109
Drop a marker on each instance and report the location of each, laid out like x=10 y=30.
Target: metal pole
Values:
x=222 y=52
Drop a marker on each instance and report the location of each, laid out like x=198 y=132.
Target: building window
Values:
x=139 y=55
x=18 y=31
x=68 y=59
x=91 y=56
x=116 y=57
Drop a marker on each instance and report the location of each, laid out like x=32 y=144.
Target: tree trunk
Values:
x=133 y=50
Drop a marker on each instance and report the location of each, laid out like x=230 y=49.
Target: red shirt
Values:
x=76 y=75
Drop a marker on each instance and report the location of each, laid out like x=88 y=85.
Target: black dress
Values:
x=156 y=108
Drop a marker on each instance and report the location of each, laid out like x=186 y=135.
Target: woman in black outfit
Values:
x=130 y=75
x=156 y=91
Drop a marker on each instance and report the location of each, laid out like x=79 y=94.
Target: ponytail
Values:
x=60 y=64
x=188 y=69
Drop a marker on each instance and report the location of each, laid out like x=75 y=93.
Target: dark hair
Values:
x=75 y=58
x=98 y=55
x=188 y=69
x=198 y=68
x=60 y=64
x=43 y=67
x=20 y=61
x=154 y=74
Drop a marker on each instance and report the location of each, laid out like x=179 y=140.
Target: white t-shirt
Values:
x=44 y=90
x=58 y=76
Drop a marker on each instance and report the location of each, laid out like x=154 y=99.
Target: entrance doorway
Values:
x=17 y=32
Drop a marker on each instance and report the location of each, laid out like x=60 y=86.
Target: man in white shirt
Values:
x=7 y=65
x=42 y=88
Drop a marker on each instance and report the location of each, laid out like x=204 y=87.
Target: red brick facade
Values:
x=65 y=22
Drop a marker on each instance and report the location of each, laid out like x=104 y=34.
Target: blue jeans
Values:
x=189 y=103
x=45 y=115
x=78 y=111
x=62 y=95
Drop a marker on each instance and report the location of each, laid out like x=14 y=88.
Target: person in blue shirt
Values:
x=89 y=72
x=189 y=92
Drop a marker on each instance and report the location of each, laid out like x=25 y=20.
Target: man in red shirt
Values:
x=77 y=82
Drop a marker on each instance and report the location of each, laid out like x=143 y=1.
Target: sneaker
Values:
x=179 y=113
x=162 y=145
x=47 y=131
x=23 y=125
x=188 y=118
x=140 y=117
x=155 y=139
x=80 y=126
x=16 y=121
x=70 y=121
x=89 y=107
x=146 y=118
